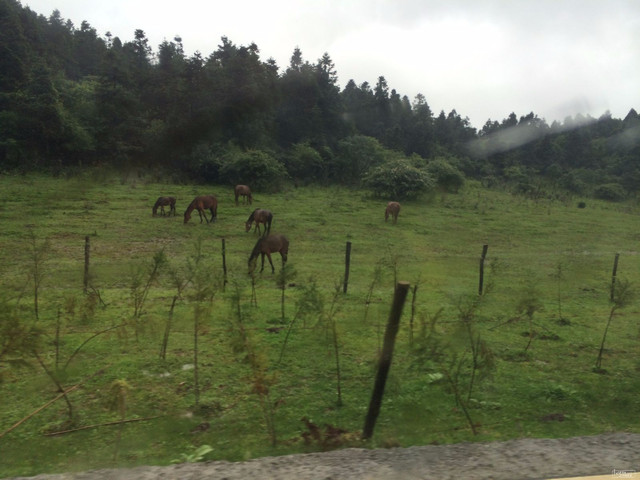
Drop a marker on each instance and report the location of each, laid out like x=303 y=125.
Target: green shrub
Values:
x=399 y=180
x=356 y=155
x=204 y=164
x=572 y=183
x=610 y=191
x=254 y=167
x=447 y=177
x=305 y=163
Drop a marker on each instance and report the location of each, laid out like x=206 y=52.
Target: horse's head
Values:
x=187 y=217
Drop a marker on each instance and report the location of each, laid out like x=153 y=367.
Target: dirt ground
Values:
x=614 y=455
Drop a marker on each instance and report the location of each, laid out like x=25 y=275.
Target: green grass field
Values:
x=547 y=280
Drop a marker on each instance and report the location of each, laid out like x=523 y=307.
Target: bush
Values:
x=572 y=183
x=610 y=191
x=356 y=155
x=447 y=177
x=204 y=164
x=399 y=180
x=254 y=167
x=305 y=163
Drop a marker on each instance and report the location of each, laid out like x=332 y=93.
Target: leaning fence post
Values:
x=413 y=314
x=224 y=264
x=613 y=276
x=87 y=253
x=402 y=288
x=347 y=262
x=484 y=255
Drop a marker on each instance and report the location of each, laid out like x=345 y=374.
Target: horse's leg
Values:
x=257 y=229
x=273 y=270
x=213 y=214
x=284 y=258
x=262 y=268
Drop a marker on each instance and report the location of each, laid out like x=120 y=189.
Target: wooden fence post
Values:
x=347 y=263
x=87 y=253
x=484 y=255
x=224 y=264
x=402 y=288
x=613 y=276
x=413 y=313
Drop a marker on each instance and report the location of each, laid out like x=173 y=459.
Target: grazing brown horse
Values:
x=202 y=203
x=266 y=246
x=260 y=216
x=393 y=209
x=165 y=202
x=245 y=192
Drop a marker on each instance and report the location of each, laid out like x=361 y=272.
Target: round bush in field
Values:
x=399 y=180
x=305 y=163
x=254 y=167
x=448 y=177
x=356 y=156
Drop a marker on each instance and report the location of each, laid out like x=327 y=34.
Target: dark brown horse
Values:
x=202 y=203
x=266 y=246
x=165 y=202
x=245 y=192
x=393 y=209
x=260 y=216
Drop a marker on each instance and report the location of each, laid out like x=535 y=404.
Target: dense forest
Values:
x=70 y=98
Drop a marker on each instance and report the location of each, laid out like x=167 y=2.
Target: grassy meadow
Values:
x=517 y=362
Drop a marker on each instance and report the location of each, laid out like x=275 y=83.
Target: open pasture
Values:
x=266 y=360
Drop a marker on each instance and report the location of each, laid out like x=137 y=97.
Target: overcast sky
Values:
x=484 y=58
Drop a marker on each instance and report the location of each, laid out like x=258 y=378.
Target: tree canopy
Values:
x=70 y=97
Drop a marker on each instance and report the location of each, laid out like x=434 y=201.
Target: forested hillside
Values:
x=70 y=98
